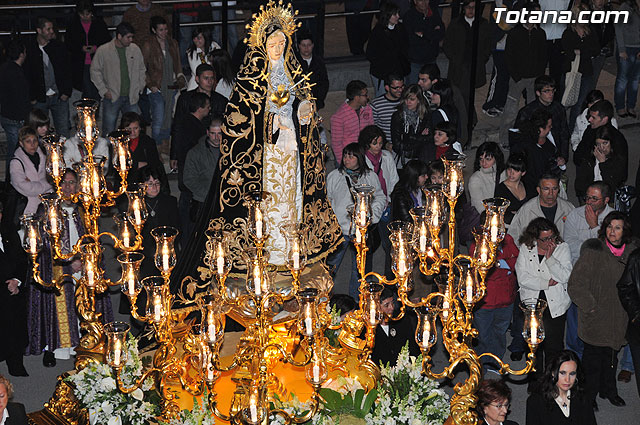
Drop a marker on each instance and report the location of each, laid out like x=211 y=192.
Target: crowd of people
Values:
x=571 y=256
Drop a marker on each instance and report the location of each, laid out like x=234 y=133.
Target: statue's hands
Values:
x=305 y=112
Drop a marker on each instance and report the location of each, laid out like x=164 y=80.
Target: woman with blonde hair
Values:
x=9 y=409
x=410 y=125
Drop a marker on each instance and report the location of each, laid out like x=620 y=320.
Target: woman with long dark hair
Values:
x=410 y=125
x=353 y=171
x=488 y=167
x=512 y=188
x=387 y=49
x=603 y=160
x=225 y=72
x=602 y=321
x=198 y=53
x=442 y=101
x=408 y=192
x=559 y=397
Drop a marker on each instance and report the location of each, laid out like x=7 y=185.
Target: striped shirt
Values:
x=383 y=108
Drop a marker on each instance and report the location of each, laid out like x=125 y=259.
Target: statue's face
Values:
x=275 y=45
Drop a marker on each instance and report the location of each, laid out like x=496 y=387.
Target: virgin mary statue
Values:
x=270 y=143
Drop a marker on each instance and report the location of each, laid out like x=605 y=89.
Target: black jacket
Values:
x=457 y=46
x=629 y=290
x=542 y=412
x=387 y=52
x=526 y=52
x=34 y=69
x=218 y=105
x=423 y=49
x=588 y=46
x=14 y=92
x=408 y=143
x=319 y=77
x=560 y=129
x=17 y=414
x=387 y=347
x=76 y=39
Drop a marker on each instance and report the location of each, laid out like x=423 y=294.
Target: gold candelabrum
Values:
x=91 y=196
x=259 y=349
x=460 y=278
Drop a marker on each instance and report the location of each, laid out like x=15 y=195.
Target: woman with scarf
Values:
x=410 y=125
x=381 y=161
x=602 y=321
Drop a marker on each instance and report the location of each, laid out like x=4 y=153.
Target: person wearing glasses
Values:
x=602 y=320
x=385 y=105
x=494 y=400
x=543 y=268
x=545 y=89
x=559 y=394
x=350 y=118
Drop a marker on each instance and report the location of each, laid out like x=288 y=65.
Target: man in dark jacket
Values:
x=188 y=130
x=206 y=80
x=425 y=30
x=629 y=292
x=49 y=74
x=545 y=88
x=313 y=64
x=14 y=95
x=13 y=300
x=526 y=56
x=458 y=47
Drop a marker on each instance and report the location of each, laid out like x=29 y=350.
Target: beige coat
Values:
x=592 y=286
x=105 y=71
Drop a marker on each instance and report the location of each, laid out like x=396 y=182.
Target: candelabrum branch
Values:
x=119 y=245
x=213 y=406
x=56 y=283
x=505 y=368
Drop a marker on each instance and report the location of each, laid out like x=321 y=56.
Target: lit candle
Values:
x=90 y=275
x=131 y=281
x=358 y=235
x=494 y=228
x=454 y=184
x=402 y=260
x=95 y=182
x=88 y=128
x=165 y=257
x=426 y=333
x=54 y=162
x=308 y=325
x=116 y=352
x=362 y=214
x=253 y=410
x=258 y=223
x=257 y=282
x=122 y=156
x=209 y=371
x=445 y=306
x=316 y=373
x=53 y=220
x=33 y=242
x=136 y=212
x=534 y=329
x=296 y=254
x=220 y=259
x=469 y=288
x=157 y=308
x=483 y=253
x=211 y=330
x=125 y=235
x=423 y=238
x=435 y=213
x=372 y=313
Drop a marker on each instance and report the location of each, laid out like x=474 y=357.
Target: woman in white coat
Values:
x=380 y=160
x=353 y=171
x=543 y=269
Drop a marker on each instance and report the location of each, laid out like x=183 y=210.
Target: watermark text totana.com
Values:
x=561 y=16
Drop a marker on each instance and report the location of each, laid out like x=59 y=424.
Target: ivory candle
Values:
x=259 y=223
x=116 y=352
x=494 y=228
x=308 y=325
x=220 y=259
x=316 y=373
x=453 y=185
x=469 y=289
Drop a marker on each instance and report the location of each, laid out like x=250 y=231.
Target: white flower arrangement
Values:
x=406 y=397
x=96 y=388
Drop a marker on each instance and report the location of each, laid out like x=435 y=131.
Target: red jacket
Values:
x=501 y=283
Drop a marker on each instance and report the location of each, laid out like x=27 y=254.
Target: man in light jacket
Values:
x=118 y=72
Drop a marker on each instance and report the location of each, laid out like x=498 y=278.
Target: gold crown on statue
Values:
x=272 y=17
